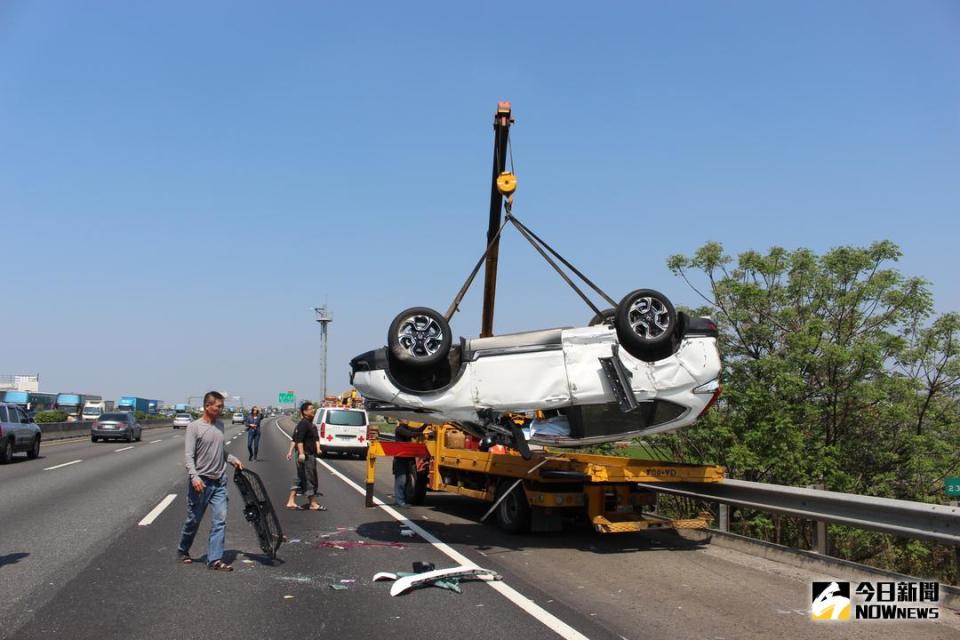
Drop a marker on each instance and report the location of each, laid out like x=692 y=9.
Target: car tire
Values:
x=419 y=337
x=646 y=323
x=129 y=437
x=34 y=452
x=94 y=438
x=607 y=316
x=140 y=435
x=419 y=493
x=513 y=512
x=6 y=451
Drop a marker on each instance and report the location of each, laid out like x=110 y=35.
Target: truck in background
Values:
x=72 y=403
x=182 y=408
x=96 y=408
x=38 y=401
x=133 y=403
x=19 y=398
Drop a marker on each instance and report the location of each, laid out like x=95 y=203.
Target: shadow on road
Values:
x=490 y=540
x=230 y=557
x=12 y=558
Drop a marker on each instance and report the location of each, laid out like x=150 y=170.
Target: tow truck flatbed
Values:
x=543 y=491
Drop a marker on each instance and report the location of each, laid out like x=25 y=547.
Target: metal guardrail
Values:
x=940 y=523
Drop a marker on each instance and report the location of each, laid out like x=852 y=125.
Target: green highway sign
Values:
x=952 y=485
x=286 y=397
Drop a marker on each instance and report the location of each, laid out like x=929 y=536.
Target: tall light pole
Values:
x=324 y=317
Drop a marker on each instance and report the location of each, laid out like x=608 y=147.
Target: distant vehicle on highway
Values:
x=237 y=418
x=342 y=430
x=116 y=426
x=94 y=409
x=182 y=420
x=17 y=433
x=72 y=403
x=133 y=403
x=39 y=401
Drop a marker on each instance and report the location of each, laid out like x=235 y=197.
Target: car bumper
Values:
x=111 y=433
x=343 y=447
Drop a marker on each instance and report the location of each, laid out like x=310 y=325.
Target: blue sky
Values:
x=180 y=183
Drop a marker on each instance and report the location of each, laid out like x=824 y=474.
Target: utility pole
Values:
x=501 y=127
x=324 y=317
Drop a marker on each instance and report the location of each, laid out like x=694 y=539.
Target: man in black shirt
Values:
x=306 y=441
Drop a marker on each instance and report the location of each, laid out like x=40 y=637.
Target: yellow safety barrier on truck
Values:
x=553 y=485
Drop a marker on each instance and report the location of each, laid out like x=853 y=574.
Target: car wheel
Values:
x=129 y=437
x=94 y=438
x=6 y=451
x=419 y=337
x=604 y=317
x=646 y=323
x=140 y=435
x=34 y=451
x=513 y=512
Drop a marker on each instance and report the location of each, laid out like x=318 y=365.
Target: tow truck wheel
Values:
x=646 y=323
x=419 y=337
x=513 y=513
x=416 y=488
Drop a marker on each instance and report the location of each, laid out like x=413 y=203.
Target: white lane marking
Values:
x=157 y=510
x=554 y=623
x=124 y=449
x=156 y=441
x=65 y=464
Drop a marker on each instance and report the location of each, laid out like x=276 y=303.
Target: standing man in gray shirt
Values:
x=207 y=466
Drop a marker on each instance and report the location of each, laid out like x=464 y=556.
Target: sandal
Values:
x=184 y=558
x=319 y=507
x=219 y=565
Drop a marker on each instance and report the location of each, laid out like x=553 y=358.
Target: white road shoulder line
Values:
x=157 y=510
x=123 y=449
x=156 y=441
x=554 y=623
x=65 y=464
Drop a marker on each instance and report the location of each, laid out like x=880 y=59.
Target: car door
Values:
x=16 y=427
x=536 y=379
x=30 y=429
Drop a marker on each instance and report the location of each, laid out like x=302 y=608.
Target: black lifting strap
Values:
x=539 y=245
x=599 y=291
x=455 y=305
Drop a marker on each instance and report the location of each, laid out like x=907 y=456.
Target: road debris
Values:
x=354 y=544
x=338 y=587
x=443 y=578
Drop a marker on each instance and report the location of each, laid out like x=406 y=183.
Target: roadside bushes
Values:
x=55 y=415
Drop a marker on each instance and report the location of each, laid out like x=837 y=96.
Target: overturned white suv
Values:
x=639 y=369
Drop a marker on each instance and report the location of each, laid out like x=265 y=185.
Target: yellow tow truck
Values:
x=544 y=491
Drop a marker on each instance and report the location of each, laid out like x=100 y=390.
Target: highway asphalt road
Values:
x=79 y=557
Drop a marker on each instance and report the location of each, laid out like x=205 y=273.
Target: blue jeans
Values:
x=399 y=488
x=215 y=496
x=253 y=442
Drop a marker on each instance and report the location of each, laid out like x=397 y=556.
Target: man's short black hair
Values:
x=306 y=405
x=210 y=396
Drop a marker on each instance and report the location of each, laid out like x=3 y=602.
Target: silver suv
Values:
x=17 y=433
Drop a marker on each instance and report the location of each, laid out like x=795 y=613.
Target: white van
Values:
x=342 y=430
x=93 y=410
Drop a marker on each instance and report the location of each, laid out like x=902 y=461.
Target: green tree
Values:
x=835 y=370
